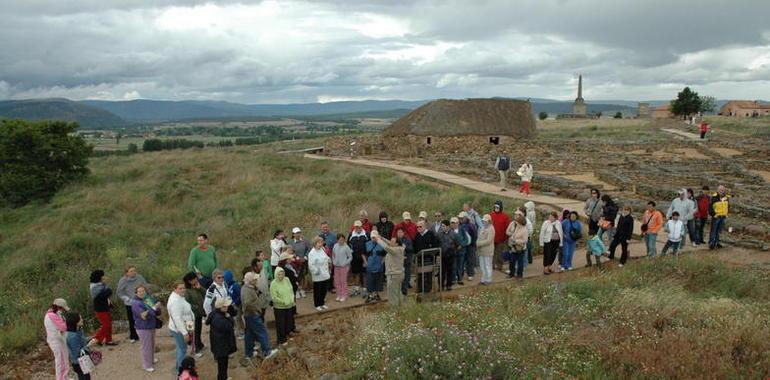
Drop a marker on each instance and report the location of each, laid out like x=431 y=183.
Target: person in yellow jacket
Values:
x=720 y=207
x=283 y=304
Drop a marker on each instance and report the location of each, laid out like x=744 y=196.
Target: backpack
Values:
x=504 y=163
x=573 y=233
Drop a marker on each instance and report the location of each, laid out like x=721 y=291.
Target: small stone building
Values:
x=744 y=108
x=447 y=126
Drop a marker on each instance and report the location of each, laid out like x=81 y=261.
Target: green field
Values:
x=146 y=209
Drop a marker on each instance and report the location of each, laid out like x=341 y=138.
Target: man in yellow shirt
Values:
x=720 y=206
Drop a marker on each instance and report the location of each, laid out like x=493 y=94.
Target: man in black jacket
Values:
x=622 y=235
x=450 y=243
x=425 y=239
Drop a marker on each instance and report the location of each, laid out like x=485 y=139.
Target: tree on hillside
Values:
x=39 y=158
x=708 y=104
x=618 y=115
x=542 y=115
x=687 y=103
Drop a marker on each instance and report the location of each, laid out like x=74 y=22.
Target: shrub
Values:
x=39 y=158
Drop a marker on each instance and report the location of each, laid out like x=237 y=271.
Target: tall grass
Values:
x=146 y=210
x=686 y=318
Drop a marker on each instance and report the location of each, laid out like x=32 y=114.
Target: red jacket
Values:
x=410 y=229
x=500 y=221
x=704 y=127
x=704 y=202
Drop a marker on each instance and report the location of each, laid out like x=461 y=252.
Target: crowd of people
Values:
x=365 y=260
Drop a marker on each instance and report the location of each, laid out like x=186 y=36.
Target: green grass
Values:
x=686 y=318
x=750 y=127
x=146 y=210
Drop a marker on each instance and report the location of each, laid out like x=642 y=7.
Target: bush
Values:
x=542 y=115
x=132 y=148
x=39 y=158
x=154 y=145
x=618 y=115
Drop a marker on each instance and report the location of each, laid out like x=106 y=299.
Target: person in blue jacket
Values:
x=573 y=231
x=76 y=342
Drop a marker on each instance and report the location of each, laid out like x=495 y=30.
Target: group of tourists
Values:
x=367 y=259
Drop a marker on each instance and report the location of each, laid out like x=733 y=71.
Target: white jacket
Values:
x=547 y=229
x=276 y=245
x=525 y=172
x=686 y=209
x=212 y=293
x=180 y=315
x=318 y=263
x=675 y=230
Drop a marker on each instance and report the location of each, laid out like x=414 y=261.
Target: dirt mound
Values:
x=487 y=117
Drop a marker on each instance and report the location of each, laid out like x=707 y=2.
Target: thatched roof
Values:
x=485 y=117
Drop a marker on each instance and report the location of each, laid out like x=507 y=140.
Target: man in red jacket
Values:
x=702 y=214
x=500 y=221
x=703 y=129
x=410 y=229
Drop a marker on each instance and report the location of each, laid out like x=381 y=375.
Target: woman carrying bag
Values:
x=146 y=313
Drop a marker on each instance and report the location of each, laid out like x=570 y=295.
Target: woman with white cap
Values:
x=55 y=328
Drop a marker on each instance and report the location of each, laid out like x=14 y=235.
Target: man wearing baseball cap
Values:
x=410 y=229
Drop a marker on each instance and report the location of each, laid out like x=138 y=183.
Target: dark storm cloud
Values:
x=292 y=51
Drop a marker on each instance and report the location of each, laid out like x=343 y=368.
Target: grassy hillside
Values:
x=146 y=209
x=682 y=318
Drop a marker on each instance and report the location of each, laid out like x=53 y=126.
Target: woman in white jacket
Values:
x=180 y=320
x=486 y=249
x=525 y=172
x=318 y=263
x=55 y=327
x=551 y=238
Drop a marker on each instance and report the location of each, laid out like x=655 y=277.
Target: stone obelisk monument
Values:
x=579 y=108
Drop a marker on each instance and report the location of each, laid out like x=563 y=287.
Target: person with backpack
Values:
x=255 y=301
x=573 y=232
x=623 y=234
x=593 y=210
x=503 y=164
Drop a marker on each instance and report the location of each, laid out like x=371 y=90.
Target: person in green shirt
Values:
x=283 y=303
x=203 y=260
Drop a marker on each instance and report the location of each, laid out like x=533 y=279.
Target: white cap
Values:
x=295 y=230
x=406 y=215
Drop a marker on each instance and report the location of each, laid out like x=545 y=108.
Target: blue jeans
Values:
x=256 y=331
x=516 y=266
x=470 y=260
x=673 y=245
x=716 y=227
x=569 y=252
x=181 y=348
x=459 y=265
x=700 y=225
x=650 y=240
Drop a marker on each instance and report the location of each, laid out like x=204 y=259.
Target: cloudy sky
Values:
x=307 y=51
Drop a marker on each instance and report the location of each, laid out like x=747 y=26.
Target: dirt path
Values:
x=684 y=134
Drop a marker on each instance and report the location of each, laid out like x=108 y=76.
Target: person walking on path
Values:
x=283 y=303
x=686 y=209
x=394 y=269
x=203 y=260
x=486 y=249
x=318 y=263
x=55 y=330
x=342 y=257
x=623 y=234
x=101 y=294
x=194 y=295
x=145 y=311
x=704 y=128
x=503 y=164
x=573 y=231
x=593 y=211
x=519 y=235
x=703 y=202
x=500 y=221
x=525 y=172
x=76 y=342
x=720 y=206
x=126 y=291
x=450 y=243
x=551 y=239
x=181 y=320
x=676 y=232
x=222 y=335
x=254 y=305
x=652 y=222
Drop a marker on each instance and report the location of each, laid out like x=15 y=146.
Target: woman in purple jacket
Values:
x=146 y=312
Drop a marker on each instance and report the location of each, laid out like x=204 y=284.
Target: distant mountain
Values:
x=59 y=109
x=161 y=110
